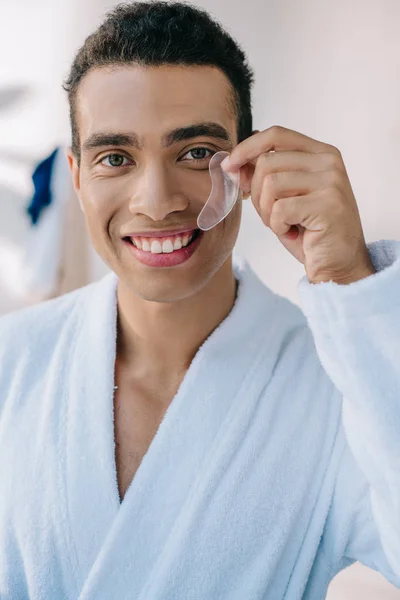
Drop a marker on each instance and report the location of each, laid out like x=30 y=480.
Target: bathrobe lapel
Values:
x=120 y=545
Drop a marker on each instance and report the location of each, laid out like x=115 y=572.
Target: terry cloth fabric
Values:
x=276 y=465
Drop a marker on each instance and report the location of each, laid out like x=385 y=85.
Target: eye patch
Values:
x=223 y=196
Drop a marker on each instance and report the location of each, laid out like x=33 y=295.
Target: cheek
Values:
x=196 y=185
x=233 y=222
x=98 y=204
x=226 y=233
x=99 y=195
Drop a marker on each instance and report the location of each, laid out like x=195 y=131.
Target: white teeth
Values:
x=145 y=245
x=167 y=246
x=155 y=247
x=177 y=243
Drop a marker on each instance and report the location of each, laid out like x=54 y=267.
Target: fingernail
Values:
x=225 y=163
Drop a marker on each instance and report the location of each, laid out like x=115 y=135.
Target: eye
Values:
x=199 y=151
x=114 y=160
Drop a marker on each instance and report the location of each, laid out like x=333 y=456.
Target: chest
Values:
x=138 y=413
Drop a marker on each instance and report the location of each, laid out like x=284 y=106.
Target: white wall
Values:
x=327 y=69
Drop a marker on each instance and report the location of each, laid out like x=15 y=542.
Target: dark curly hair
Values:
x=163 y=33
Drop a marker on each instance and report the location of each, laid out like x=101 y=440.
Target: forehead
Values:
x=150 y=100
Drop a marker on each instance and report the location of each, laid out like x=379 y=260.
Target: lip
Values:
x=155 y=234
x=169 y=259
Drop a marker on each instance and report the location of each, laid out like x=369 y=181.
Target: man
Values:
x=175 y=431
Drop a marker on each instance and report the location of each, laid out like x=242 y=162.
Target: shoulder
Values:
x=37 y=342
x=36 y=329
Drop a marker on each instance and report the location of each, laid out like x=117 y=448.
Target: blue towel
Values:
x=42 y=196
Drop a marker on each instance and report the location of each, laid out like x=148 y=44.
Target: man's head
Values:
x=153 y=93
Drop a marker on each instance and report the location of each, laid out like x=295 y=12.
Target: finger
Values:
x=305 y=211
x=283 y=185
x=290 y=161
x=274 y=138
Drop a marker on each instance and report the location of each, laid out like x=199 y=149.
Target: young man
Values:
x=177 y=430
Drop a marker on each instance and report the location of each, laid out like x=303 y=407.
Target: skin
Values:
x=299 y=187
x=164 y=313
x=300 y=190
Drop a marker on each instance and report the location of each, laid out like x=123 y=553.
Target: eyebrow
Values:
x=100 y=139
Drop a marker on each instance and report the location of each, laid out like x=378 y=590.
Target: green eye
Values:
x=115 y=160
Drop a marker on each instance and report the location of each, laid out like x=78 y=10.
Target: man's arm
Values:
x=356 y=329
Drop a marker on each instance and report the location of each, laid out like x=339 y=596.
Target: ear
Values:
x=75 y=173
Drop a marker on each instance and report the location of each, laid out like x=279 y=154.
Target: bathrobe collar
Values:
x=177 y=458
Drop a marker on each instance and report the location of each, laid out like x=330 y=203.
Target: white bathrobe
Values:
x=276 y=465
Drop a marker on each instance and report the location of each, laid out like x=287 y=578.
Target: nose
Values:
x=155 y=194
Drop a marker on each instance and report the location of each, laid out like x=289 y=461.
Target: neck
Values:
x=163 y=337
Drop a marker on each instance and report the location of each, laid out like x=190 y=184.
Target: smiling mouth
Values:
x=164 y=245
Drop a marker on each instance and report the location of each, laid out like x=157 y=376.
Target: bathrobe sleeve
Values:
x=356 y=330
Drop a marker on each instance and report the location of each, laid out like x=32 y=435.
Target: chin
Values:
x=167 y=286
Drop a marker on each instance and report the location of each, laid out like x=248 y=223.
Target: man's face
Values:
x=137 y=178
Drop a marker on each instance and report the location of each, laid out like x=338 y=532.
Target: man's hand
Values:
x=295 y=180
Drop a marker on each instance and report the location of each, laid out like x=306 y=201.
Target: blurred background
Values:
x=330 y=70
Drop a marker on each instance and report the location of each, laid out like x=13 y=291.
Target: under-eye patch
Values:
x=223 y=196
